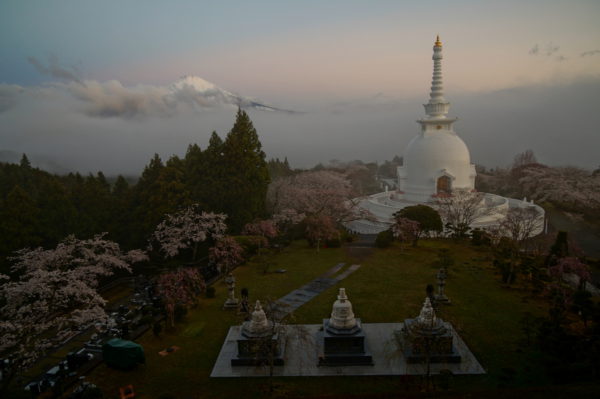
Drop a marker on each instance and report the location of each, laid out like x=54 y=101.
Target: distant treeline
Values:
x=569 y=189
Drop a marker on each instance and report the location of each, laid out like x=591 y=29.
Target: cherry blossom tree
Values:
x=571 y=265
x=286 y=219
x=460 y=209
x=264 y=228
x=405 y=229
x=55 y=292
x=180 y=288
x=320 y=228
x=226 y=254
x=188 y=228
x=523 y=159
x=564 y=184
x=522 y=223
x=315 y=193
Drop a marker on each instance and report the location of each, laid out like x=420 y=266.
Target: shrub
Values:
x=333 y=243
x=384 y=239
x=148 y=319
x=251 y=244
x=210 y=292
x=180 y=312
x=480 y=237
x=347 y=236
x=92 y=393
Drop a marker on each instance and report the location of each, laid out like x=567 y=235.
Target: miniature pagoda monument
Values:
x=258 y=342
x=343 y=339
x=428 y=338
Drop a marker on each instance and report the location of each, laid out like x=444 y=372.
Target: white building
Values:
x=435 y=162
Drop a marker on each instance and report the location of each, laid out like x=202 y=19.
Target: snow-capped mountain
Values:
x=204 y=93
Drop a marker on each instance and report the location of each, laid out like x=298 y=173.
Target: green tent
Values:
x=121 y=354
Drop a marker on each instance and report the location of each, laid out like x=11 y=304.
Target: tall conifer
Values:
x=246 y=176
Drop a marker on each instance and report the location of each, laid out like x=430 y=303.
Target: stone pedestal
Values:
x=427 y=338
x=231 y=303
x=344 y=347
x=437 y=346
x=258 y=342
x=258 y=351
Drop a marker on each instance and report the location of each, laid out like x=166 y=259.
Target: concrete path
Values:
x=292 y=301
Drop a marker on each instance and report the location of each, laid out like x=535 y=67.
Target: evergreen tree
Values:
x=120 y=220
x=194 y=168
x=57 y=217
x=25 y=164
x=278 y=168
x=77 y=192
x=246 y=176
x=213 y=189
x=19 y=226
x=144 y=214
x=172 y=194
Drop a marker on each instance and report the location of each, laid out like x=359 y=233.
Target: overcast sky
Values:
x=90 y=84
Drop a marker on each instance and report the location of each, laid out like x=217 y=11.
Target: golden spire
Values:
x=437 y=41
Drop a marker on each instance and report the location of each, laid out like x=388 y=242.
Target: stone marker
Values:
x=441 y=295
x=231 y=302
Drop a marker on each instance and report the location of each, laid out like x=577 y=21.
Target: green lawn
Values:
x=389 y=287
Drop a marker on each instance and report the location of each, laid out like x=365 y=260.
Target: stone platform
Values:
x=342 y=347
x=302 y=349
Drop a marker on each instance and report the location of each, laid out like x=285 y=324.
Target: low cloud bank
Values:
x=91 y=126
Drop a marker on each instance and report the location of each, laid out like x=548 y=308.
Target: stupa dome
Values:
x=436 y=151
x=433 y=155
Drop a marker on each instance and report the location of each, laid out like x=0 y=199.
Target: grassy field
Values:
x=389 y=287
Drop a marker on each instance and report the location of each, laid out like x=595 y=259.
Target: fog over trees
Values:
x=555 y=121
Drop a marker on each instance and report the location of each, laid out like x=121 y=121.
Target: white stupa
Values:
x=435 y=162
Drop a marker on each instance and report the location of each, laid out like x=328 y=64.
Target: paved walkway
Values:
x=292 y=301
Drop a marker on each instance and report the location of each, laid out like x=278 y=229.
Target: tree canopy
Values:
x=429 y=219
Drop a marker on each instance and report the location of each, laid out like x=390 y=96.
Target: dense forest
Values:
x=40 y=209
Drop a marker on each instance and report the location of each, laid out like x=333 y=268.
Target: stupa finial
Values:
x=437 y=106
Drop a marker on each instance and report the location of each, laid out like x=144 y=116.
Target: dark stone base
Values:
x=254 y=361
x=230 y=305
x=346 y=360
x=438 y=342
x=258 y=351
x=344 y=348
